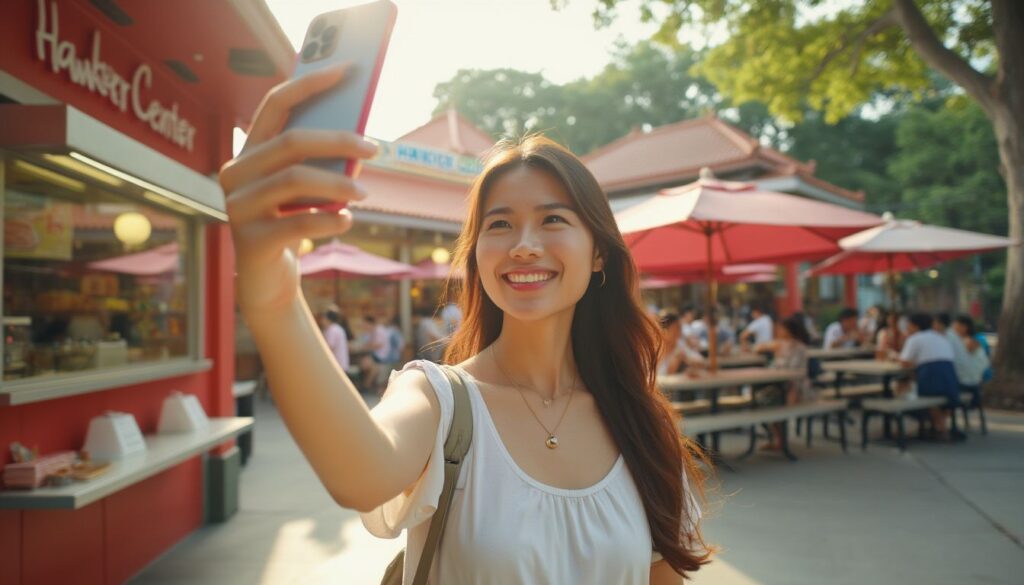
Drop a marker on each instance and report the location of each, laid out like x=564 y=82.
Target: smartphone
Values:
x=358 y=35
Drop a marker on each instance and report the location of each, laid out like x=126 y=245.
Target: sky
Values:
x=433 y=39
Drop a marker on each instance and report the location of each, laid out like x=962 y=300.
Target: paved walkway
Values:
x=938 y=514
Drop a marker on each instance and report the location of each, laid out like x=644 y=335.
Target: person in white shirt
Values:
x=843 y=333
x=931 y=355
x=760 y=330
x=941 y=324
x=676 y=354
x=451 y=317
x=969 y=359
x=972 y=371
x=428 y=337
x=690 y=335
x=335 y=334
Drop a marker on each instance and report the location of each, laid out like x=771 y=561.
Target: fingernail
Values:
x=369 y=145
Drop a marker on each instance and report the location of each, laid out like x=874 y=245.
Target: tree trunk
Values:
x=1008 y=121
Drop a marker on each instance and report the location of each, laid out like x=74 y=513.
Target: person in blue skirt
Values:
x=931 y=356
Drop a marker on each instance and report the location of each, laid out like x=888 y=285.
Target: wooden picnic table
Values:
x=841 y=353
x=884 y=368
x=715 y=382
x=742 y=360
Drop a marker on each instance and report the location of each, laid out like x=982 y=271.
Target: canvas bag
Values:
x=460 y=435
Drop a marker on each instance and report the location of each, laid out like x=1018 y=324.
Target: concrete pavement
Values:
x=940 y=513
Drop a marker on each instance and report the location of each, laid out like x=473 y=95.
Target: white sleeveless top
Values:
x=506 y=528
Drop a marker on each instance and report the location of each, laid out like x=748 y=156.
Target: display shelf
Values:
x=162 y=452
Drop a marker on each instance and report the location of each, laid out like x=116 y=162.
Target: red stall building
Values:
x=117 y=266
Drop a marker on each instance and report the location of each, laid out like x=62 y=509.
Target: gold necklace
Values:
x=552 y=441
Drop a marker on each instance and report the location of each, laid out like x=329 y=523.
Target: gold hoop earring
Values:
x=604 y=278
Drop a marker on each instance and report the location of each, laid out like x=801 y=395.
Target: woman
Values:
x=576 y=471
x=676 y=354
x=336 y=335
x=789 y=348
x=888 y=341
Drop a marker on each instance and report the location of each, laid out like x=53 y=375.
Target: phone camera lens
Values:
x=329 y=34
x=311 y=50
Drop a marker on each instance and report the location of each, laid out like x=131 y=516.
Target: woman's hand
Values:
x=268 y=174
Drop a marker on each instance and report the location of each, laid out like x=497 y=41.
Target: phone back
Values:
x=358 y=35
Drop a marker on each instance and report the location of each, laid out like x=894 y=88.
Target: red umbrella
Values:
x=159 y=260
x=337 y=260
x=709 y=223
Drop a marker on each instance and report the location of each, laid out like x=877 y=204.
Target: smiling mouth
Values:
x=528 y=278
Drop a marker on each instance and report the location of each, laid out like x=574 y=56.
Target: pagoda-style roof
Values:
x=452 y=132
x=674 y=154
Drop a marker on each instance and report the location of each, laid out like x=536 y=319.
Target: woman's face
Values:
x=534 y=252
x=781 y=332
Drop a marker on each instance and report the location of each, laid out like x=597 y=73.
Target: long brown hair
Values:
x=615 y=343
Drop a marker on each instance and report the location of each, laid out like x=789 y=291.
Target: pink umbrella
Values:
x=905 y=245
x=429 y=270
x=656 y=282
x=735 y=273
x=337 y=260
x=709 y=223
x=159 y=260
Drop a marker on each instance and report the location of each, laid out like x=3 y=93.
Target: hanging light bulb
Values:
x=440 y=255
x=305 y=246
x=132 y=228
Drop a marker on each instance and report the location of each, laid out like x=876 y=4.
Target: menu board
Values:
x=37 y=227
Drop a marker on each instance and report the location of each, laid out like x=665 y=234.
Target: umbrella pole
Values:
x=891 y=279
x=710 y=313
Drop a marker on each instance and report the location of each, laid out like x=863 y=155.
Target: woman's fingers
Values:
x=280 y=233
x=260 y=199
x=277 y=105
x=292 y=147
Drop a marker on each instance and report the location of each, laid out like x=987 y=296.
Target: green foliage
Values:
x=947 y=167
x=799 y=54
x=644 y=86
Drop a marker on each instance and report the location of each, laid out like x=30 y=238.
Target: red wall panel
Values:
x=143 y=521
x=63 y=546
x=10 y=547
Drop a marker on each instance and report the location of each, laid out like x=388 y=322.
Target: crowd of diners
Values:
x=946 y=355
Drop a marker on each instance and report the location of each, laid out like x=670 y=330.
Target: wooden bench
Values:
x=700 y=426
x=699 y=406
x=896 y=408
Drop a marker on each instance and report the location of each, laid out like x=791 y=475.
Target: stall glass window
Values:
x=91 y=280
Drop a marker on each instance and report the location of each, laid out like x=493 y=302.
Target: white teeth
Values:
x=528 y=278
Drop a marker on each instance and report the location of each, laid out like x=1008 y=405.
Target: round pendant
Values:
x=547 y=402
x=551 y=442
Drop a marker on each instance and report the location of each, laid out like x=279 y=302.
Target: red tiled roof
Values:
x=452 y=132
x=677 y=152
x=412 y=195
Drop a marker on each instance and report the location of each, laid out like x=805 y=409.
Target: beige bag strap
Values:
x=455 y=447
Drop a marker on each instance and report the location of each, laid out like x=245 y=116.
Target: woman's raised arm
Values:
x=362 y=458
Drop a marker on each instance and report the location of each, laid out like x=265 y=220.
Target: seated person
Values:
x=888 y=340
x=760 y=329
x=970 y=372
x=789 y=348
x=844 y=333
x=931 y=356
x=676 y=354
